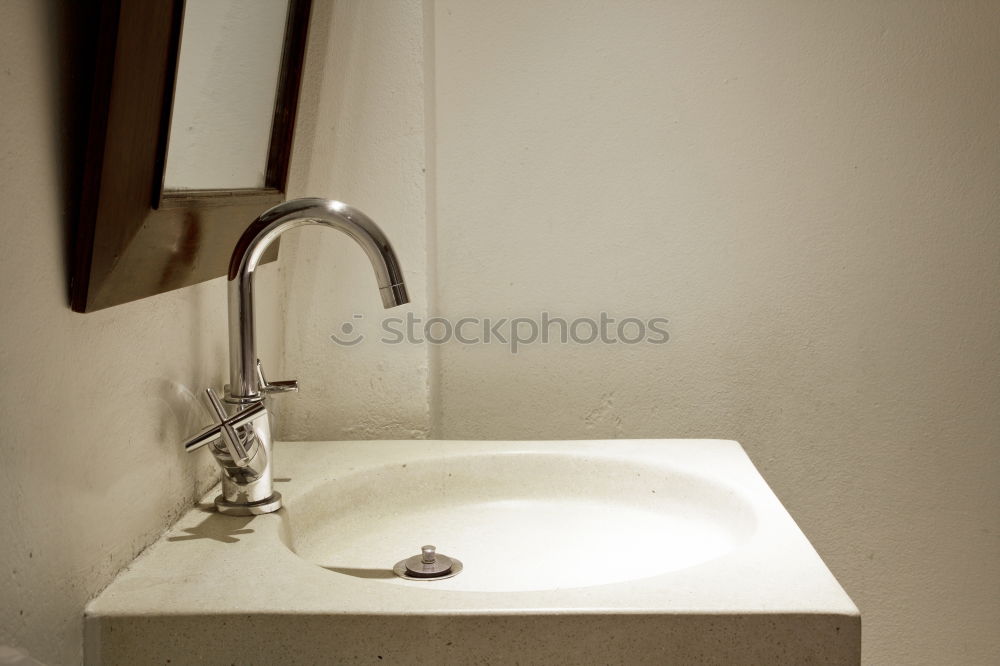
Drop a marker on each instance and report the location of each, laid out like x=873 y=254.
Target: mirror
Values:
x=227 y=82
x=189 y=138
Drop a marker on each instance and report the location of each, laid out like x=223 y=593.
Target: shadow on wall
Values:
x=73 y=31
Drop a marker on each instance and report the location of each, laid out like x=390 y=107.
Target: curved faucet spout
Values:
x=243 y=377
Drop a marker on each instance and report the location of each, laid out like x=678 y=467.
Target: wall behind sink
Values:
x=360 y=139
x=808 y=191
x=94 y=406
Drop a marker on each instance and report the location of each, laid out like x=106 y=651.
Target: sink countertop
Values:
x=227 y=568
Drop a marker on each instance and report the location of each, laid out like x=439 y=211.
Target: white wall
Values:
x=808 y=191
x=360 y=140
x=94 y=406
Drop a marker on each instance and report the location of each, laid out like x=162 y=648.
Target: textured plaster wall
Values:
x=363 y=119
x=809 y=192
x=94 y=406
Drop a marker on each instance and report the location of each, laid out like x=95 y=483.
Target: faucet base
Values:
x=269 y=505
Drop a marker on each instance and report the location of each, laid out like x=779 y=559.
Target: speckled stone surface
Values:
x=225 y=590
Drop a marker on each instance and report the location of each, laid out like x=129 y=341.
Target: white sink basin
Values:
x=521 y=520
x=574 y=552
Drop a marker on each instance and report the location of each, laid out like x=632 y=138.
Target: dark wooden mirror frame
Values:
x=133 y=239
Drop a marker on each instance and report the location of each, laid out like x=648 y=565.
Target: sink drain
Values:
x=428 y=565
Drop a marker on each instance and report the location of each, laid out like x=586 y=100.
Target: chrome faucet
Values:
x=241 y=441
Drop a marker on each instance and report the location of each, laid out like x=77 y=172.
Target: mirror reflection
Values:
x=224 y=96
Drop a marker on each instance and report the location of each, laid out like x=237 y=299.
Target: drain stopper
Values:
x=428 y=565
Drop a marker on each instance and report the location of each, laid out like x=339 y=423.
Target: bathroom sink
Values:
x=524 y=519
x=637 y=551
